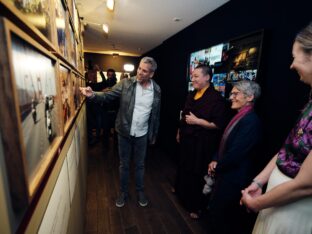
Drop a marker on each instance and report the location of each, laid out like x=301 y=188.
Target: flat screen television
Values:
x=231 y=61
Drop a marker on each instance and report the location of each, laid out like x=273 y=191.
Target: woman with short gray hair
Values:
x=232 y=166
x=249 y=88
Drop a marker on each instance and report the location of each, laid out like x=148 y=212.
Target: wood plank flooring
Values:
x=162 y=215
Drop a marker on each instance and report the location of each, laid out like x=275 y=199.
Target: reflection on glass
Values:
x=37 y=12
x=34 y=76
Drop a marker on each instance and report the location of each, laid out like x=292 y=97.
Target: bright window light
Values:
x=128 y=67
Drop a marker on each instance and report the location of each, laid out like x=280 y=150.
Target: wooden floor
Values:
x=162 y=215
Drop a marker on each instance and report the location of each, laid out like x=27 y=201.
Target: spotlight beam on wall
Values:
x=110 y=4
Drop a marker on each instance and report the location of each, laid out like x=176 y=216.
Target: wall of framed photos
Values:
x=42 y=119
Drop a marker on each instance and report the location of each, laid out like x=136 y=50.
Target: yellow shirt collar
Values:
x=200 y=93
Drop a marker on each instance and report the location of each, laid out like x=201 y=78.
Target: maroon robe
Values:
x=198 y=144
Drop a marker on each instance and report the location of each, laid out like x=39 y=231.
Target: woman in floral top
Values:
x=286 y=207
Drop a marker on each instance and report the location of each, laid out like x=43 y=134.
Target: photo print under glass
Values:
x=38 y=13
x=34 y=75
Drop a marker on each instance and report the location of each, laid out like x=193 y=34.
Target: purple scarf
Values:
x=241 y=113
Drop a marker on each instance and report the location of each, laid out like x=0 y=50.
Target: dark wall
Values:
x=283 y=95
x=108 y=61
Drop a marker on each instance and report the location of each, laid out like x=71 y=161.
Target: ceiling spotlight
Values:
x=105 y=28
x=110 y=4
x=176 y=19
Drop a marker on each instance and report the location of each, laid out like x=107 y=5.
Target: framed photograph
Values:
x=72 y=46
x=70 y=6
x=233 y=60
x=76 y=92
x=82 y=84
x=61 y=26
x=79 y=61
x=76 y=20
x=66 y=95
x=34 y=112
x=38 y=14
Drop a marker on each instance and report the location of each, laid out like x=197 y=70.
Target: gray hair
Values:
x=248 y=88
x=304 y=37
x=150 y=61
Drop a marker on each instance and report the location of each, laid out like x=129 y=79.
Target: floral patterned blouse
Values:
x=297 y=145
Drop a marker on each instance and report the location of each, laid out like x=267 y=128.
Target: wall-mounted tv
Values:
x=231 y=61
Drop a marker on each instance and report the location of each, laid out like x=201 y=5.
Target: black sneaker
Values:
x=142 y=199
x=120 y=201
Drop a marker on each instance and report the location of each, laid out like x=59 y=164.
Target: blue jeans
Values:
x=127 y=146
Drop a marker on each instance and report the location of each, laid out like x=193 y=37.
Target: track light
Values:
x=110 y=4
x=105 y=28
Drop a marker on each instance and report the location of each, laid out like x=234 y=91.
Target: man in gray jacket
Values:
x=137 y=122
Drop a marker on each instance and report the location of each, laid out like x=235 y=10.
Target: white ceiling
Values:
x=137 y=26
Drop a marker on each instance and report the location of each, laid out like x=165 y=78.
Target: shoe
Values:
x=120 y=201
x=142 y=199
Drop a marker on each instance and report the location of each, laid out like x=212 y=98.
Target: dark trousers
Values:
x=225 y=215
x=128 y=146
x=94 y=119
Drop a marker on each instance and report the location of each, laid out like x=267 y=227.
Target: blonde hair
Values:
x=304 y=37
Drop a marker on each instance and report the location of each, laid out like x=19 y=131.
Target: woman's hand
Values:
x=253 y=190
x=249 y=200
x=191 y=119
x=86 y=91
x=248 y=196
x=212 y=168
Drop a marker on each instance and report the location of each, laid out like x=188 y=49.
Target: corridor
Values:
x=162 y=215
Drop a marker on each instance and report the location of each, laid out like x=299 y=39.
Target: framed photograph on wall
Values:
x=32 y=108
x=66 y=95
x=72 y=46
x=233 y=60
x=76 y=20
x=82 y=84
x=61 y=26
x=70 y=6
x=38 y=13
x=76 y=92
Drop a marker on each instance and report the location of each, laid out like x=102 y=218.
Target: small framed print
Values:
x=66 y=95
x=31 y=107
x=76 y=93
x=61 y=27
x=38 y=13
x=76 y=20
x=72 y=46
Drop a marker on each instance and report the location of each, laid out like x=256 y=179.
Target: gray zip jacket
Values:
x=125 y=90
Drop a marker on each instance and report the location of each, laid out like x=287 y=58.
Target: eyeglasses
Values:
x=234 y=94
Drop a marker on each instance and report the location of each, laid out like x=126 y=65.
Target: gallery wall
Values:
x=43 y=119
x=283 y=95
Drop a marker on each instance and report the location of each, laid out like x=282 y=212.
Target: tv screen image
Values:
x=209 y=56
x=231 y=61
x=219 y=81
